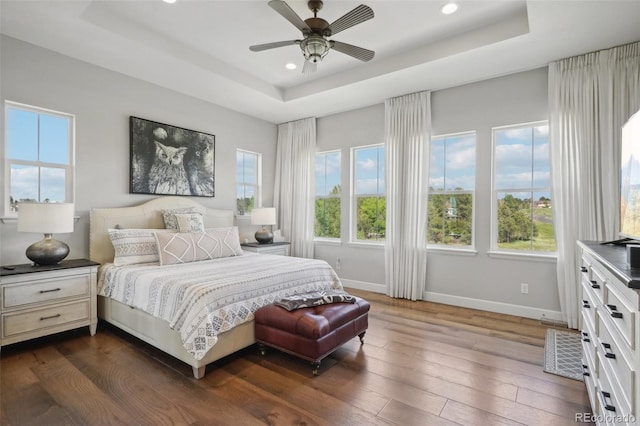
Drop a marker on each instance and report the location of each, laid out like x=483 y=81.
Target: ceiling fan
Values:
x=315 y=31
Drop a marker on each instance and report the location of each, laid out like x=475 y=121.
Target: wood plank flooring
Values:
x=421 y=364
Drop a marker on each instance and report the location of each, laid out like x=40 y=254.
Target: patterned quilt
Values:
x=203 y=299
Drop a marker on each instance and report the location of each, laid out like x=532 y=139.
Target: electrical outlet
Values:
x=524 y=288
x=338 y=264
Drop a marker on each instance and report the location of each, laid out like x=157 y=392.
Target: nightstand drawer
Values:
x=38 y=319
x=14 y=295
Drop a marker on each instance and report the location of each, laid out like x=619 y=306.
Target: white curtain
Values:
x=407 y=135
x=294 y=193
x=590 y=98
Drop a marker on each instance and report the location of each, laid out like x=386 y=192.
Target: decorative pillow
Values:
x=190 y=222
x=134 y=246
x=315 y=298
x=194 y=246
x=169 y=215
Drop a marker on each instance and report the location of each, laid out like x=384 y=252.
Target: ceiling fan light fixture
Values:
x=449 y=8
x=314 y=48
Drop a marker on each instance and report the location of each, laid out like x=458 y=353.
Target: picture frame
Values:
x=170 y=160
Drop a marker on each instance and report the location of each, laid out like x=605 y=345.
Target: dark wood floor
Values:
x=421 y=364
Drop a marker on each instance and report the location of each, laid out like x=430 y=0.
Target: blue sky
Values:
x=37 y=137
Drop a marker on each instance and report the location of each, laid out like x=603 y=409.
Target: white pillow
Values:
x=188 y=247
x=133 y=246
x=190 y=222
x=169 y=215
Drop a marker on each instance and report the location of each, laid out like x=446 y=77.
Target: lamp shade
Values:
x=45 y=218
x=263 y=216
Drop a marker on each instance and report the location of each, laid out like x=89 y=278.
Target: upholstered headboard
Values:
x=144 y=216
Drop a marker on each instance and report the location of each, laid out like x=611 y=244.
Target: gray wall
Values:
x=478 y=280
x=102 y=102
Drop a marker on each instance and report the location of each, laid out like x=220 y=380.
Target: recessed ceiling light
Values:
x=291 y=66
x=449 y=8
x=169 y=1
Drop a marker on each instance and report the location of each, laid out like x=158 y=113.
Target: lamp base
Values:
x=264 y=236
x=47 y=251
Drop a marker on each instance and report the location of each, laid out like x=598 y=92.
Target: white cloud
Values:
x=368 y=164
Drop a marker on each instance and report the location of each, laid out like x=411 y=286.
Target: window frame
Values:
x=69 y=168
x=494 y=248
x=353 y=222
x=445 y=192
x=257 y=185
x=329 y=196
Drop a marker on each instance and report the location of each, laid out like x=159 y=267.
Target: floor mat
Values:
x=563 y=354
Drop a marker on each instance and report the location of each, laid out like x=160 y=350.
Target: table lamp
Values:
x=264 y=216
x=48 y=219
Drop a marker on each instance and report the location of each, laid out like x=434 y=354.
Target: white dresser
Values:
x=610 y=333
x=37 y=301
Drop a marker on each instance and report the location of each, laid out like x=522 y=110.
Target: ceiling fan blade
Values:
x=287 y=13
x=261 y=47
x=309 y=67
x=364 y=55
x=358 y=15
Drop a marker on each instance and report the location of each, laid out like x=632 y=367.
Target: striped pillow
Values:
x=133 y=246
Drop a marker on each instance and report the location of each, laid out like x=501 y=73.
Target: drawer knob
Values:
x=49 y=291
x=613 y=311
x=50 y=317
x=594 y=284
x=606 y=396
x=607 y=351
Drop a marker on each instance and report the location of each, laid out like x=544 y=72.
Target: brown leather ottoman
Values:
x=311 y=333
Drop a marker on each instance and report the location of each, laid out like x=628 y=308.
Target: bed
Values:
x=143 y=322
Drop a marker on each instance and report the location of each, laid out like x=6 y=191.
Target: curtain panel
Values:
x=294 y=196
x=407 y=138
x=590 y=98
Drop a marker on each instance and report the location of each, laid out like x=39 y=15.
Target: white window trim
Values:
x=258 y=184
x=445 y=247
x=339 y=197
x=70 y=168
x=494 y=250
x=353 y=198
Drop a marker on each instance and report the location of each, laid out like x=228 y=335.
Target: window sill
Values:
x=451 y=250
x=14 y=219
x=536 y=257
x=377 y=246
x=327 y=242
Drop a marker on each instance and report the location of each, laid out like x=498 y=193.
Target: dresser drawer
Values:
x=589 y=305
x=609 y=407
x=622 y=315
x=40 y=319
x=597 y=281
x=617 y=362
x=15 y=295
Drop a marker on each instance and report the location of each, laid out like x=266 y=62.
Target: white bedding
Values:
x=202 y=299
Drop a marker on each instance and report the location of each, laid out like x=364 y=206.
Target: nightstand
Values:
x=281 y=249
x=36 y=301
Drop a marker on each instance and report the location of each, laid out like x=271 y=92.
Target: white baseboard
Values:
x=467 y=302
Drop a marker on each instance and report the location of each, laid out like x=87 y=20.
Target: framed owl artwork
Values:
x=170 y=160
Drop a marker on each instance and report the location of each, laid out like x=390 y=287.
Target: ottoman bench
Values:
x=311 y=333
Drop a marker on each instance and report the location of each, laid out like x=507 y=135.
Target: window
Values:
x=369 y=193
x=328 y=190
x=452 y=181
x=248 y=180
x=39 y=146
x=522 y=189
